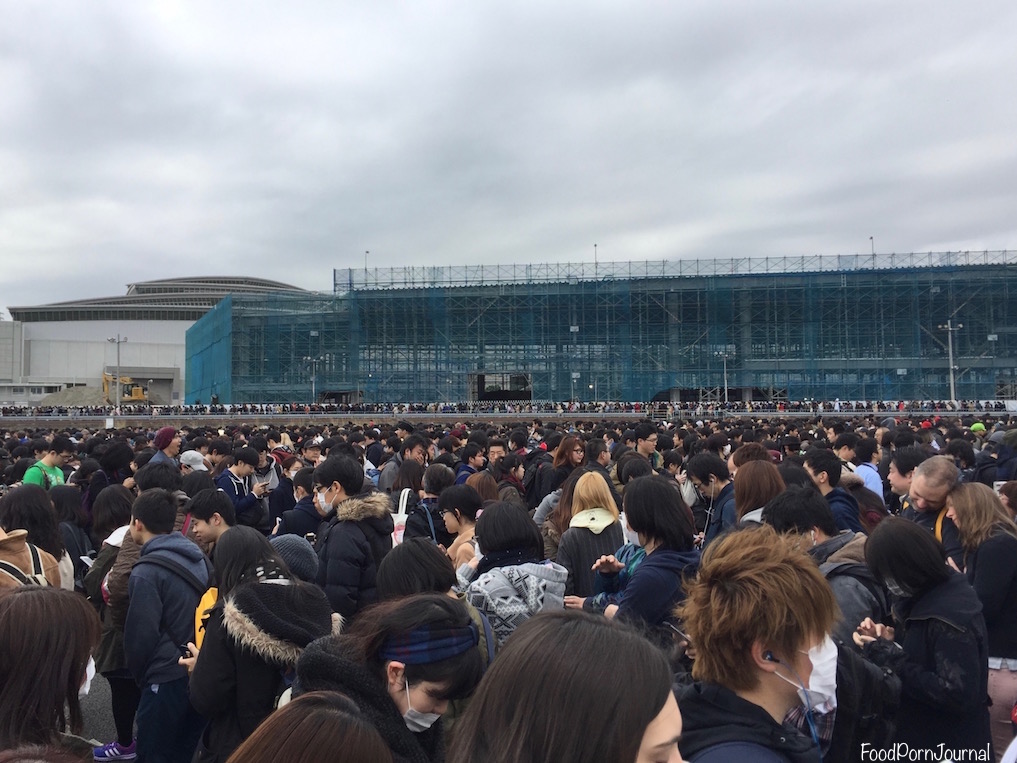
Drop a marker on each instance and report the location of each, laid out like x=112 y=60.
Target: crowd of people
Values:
x=656 y=409
x=764 y=588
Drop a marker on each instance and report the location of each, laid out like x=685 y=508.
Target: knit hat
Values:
x=298 y=555
x=978 y=427
x=163 y=438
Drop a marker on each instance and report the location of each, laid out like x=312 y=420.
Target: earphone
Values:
x=768 y=656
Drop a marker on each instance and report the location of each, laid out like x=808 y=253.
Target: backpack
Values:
x=36 y=577
x=862 y=574
x=47 y=483
x=532 y=479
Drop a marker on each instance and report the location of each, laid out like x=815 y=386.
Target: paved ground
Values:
x=97 y=711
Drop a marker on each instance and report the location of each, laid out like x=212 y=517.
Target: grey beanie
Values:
x=298 y=555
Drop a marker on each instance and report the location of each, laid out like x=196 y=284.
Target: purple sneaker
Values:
x=115 y=751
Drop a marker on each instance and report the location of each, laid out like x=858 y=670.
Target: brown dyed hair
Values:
x=484 y=484
x=564 y=452
x=46 y=637
x=750 y=451
x=980 y=514
x=314 y=728
x=755 y=485
x=754 y=585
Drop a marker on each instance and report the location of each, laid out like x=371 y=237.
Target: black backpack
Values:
x=863 y=574
x=533 y=478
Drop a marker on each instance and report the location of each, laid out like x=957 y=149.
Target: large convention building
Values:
x=63 y=352
x=858 y=327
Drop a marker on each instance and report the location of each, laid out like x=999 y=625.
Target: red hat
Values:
x=164 y=437
x=926 y=425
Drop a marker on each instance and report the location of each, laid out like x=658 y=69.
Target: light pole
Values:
x=314 y=373
x=950 y=327
x=724 y=356
x=118 y=340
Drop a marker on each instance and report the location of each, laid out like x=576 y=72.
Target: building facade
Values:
x=856 y=327
x=47 y=349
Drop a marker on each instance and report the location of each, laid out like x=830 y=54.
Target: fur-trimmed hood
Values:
x=373 y=505
x=276 y=620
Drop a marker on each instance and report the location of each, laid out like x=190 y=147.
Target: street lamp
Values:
x=724 y=356
x=950 y=327
x=118 y=340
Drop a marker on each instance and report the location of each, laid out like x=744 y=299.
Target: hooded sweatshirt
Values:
x=162 y=602
x=592 y=533
x=655 y=587
x=845 y=510
x=719 y=726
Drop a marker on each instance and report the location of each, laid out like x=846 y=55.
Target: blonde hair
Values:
x=980 y=514
x=592 y=492
x=754 y=585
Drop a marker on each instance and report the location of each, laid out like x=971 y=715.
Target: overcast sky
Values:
x=144 y=140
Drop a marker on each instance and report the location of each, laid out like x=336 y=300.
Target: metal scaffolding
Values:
x=856 y=328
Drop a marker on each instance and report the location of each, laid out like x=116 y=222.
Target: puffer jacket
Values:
x=352 y=540
x=252 y=640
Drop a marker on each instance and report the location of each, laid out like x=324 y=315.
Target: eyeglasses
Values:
x=578 y=450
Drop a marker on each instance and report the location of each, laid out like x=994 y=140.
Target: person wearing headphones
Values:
x=758 y=618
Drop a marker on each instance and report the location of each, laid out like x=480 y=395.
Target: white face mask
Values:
x=821 y=694
x=416 y=721
x=89 y=675
x=323 y=504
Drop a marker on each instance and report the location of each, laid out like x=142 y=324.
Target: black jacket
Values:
x=281 y=499
x=943 y=668
x=303 y=518
x=251 y=640
x=328 y=665
x=352 y=540
x=992 y=571
x=718 y=726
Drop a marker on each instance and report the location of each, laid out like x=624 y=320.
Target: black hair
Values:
x=846 y=440
x=654 y=508
x=157 y=510
x=632 y=467
x=794 y=474
x=196 y=481
x=304 y=478
x=220 y=447
x=67 y=501
x=865 y=449
x=116 y=457
x=373 y=626
x=29 y=508
x=963 y=451
x=414 y=566
x=503 y=526
x=798 y=509
x=239 y=552
x=247 y=456
x=212 y=501
x=471 y=450
x=518 y=439
x=61 y=444
x=822 y=460
x=902 y=551
x=412 y=442
x=111 y=510
x=462 y=499
x=437 y=479
x=644 y=431
x=162 y=475
x=705 y=464
x=907 y=459
x=342 y=469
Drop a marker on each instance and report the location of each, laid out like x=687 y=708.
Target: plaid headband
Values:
x=422 y=646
